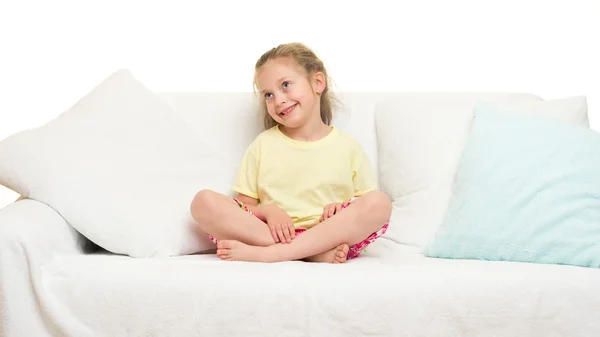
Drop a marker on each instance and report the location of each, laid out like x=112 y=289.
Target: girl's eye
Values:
x=268 y=95
x=286 y=84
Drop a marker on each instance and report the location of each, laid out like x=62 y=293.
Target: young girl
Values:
x=306 y=190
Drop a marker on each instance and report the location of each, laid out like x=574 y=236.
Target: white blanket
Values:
x=68 y=293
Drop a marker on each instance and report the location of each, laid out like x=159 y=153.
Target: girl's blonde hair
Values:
x=311 y=64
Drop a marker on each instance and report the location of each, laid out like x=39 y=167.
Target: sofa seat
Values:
x=108 y=295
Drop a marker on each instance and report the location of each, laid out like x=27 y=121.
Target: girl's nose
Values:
x=280 y=99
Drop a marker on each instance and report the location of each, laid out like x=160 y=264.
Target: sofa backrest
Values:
x=230 y=121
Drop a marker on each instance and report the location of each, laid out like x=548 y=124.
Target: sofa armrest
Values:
x=34 y=225
x=31 y=234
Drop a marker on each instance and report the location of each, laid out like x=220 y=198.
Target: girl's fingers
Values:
x=286 y=233
x=274 y=233
x=280 y=233
x=331 y=210
x=338 y=207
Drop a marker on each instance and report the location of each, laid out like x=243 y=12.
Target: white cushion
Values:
x=121 y=168
x=421 y=139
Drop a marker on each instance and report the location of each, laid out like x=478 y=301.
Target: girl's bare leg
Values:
x=220 y=216
x=364 y=216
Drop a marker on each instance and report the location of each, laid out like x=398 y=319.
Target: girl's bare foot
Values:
x=233 y=250
x=336 y=255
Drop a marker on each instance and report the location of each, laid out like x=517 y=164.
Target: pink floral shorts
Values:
x=353 y=252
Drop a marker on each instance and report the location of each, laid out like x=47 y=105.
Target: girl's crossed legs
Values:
x=242 y=236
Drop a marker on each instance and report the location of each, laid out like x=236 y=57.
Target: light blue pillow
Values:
x=527 y=190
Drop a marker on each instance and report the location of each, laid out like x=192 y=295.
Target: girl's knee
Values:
x=205 y=202
x=378 y=203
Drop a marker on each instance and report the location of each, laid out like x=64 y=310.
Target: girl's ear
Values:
x=319 y=82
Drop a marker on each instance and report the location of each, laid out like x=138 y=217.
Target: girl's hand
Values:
x=281 y=225
x=331 y=210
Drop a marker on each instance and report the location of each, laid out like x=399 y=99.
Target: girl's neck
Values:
x=308 y=132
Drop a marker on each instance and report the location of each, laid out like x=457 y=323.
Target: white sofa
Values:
x=55 y=282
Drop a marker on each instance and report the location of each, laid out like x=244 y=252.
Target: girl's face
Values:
x=290 y=95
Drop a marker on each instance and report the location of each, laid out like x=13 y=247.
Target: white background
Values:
x=54 y=52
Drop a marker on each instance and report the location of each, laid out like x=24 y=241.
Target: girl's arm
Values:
x=252 y=204
x=279 y=222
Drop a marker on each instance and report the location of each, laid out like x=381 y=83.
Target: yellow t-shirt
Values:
x=302 y=177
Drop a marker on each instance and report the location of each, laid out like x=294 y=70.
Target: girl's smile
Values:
x=287 y=111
